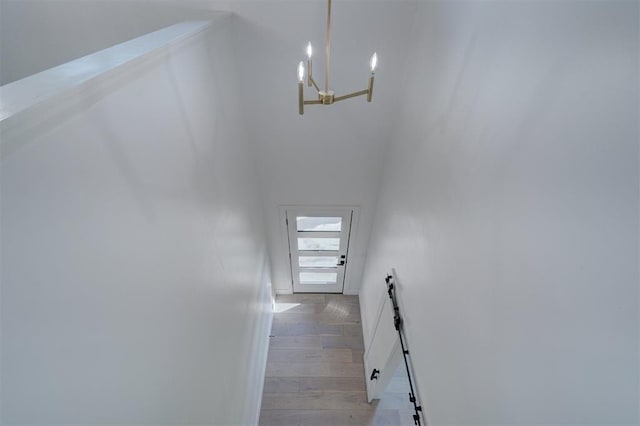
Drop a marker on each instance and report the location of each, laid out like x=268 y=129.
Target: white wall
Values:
x=135 y=281
x=510 y=210
x=36 y=35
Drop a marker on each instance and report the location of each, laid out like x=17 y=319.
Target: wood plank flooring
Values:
x=315 y=373
x=395 y=396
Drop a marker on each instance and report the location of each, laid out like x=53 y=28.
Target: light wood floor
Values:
x=315 y=373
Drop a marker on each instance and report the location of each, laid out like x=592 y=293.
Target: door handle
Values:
x=374 y=374
x=340 y=263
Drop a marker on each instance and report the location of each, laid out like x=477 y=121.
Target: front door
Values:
x=318 y=248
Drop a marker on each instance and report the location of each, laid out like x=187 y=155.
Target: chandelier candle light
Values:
x=326 y=96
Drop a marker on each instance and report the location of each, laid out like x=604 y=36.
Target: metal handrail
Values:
x=397 y=322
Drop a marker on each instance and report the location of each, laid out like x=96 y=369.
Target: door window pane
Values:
x=332 y=244
x=305 y=223
x=318 y=261
x=318 y=277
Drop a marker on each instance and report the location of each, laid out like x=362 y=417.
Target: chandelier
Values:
x=326 y=96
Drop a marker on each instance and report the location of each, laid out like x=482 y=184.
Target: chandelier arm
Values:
x=328 y=50
x=351 y=95
x=314 y=84
x=313 y=102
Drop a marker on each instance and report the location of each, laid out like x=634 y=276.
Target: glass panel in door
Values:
x=318 y=244
x=319 y=223
x=317 y=261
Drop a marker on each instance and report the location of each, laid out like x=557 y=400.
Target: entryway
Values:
x=315 y=374
x=318 y=248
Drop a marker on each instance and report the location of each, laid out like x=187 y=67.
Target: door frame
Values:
x=353 y=246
